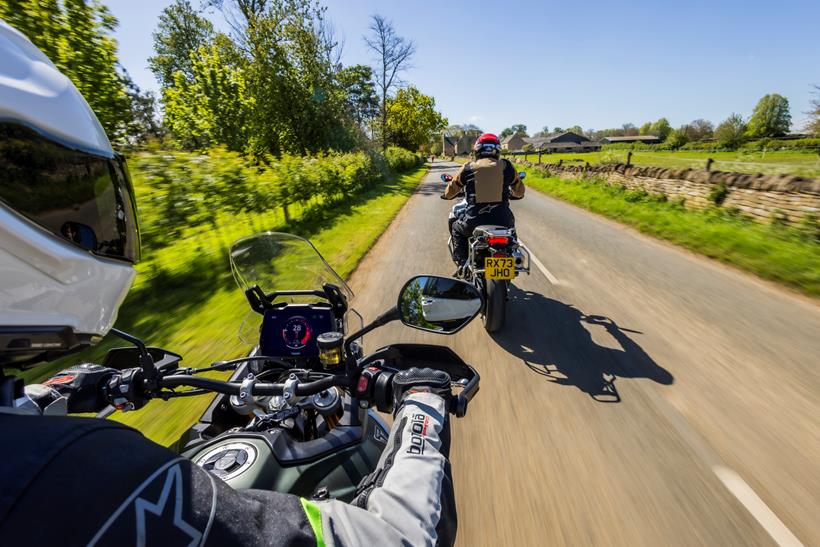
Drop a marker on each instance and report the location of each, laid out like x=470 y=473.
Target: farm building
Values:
x=455 y=146
x=516 y=141
x=646 y=139
x=564 y=142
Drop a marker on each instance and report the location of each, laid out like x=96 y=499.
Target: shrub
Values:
x=182 y=190
x=718 y=193
x=399 y=159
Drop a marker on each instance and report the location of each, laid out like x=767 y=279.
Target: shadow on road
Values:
x=430 y=188
x=441 y=166
x=552 y=341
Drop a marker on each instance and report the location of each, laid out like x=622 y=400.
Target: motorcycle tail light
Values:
x=498 y=240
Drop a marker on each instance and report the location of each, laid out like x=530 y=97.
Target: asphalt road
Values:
x=638 y=394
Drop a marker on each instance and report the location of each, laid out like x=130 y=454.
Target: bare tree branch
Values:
x=393 y=54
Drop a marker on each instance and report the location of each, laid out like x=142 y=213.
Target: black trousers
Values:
x=462 y=229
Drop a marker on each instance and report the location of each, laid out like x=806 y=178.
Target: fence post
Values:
x=709 y=163
x=539 y=156
x=561 y=161
x=629 y=158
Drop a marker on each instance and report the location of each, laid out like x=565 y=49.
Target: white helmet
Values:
x=68 y=220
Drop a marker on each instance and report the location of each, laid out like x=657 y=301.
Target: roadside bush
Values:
x=718 y=193
x=181 y=191
x=399 y=159
x=782 y=144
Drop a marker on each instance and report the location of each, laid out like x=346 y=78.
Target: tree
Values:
x=677 y=137
x=700 y=129
x=730 y=133
x=557 y=129
x=360 y=93
x=661 y=129
x=771 y=117
x=212 y=106
x=645 y=129
x=180 y=32
x=464 y=130
x=575 y=129
x=513 y=129
x=289 y=61
x=393 y=55
x=814 y=115
x=412 y=118
x=75 y=34
x=145 y=124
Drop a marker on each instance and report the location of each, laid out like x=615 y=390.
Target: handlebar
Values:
x=233 y=388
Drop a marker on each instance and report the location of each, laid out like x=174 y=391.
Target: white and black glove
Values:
x=419 y=380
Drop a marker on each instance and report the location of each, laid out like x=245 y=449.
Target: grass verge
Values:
x=198 y=310
x=787 y=255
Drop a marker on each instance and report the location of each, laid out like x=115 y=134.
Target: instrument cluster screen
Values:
x=292 y=330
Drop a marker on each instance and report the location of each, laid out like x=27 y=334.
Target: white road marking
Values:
x=756 y=506
x=729 y=478
x=551 y=278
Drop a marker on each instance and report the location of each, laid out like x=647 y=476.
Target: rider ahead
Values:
x=68 y=225
x=488 y=184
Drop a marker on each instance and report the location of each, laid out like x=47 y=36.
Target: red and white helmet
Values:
x=487 y=146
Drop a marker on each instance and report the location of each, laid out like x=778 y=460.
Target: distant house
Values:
x=646 y=139
x=448 y=145
x=563 y=142
x=456 y=146
x=514 y=142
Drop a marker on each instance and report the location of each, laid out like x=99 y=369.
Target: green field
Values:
x=196 y=310
x=787 y=255
x=806 y=164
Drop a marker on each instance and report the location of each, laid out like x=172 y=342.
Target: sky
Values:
x=594 y=63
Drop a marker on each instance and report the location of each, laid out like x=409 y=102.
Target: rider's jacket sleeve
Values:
x=517 y=187
x=82 y=481
x=456 y=185
x=409 y=499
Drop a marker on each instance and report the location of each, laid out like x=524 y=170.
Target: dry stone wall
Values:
x=762 y=197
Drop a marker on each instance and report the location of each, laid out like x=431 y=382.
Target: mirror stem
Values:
x=390 y=315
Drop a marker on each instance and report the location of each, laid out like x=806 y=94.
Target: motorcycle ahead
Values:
x=297 y=414
x=494 y=259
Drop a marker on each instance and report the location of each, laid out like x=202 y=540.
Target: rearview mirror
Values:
x=522 y=175
x=438 y=304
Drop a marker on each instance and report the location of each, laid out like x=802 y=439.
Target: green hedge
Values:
x=399 y=159
x=714 y=146
x=184 y=189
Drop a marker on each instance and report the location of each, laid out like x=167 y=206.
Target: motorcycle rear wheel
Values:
x=496 y=305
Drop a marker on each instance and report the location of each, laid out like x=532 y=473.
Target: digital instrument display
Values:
x=292 y=330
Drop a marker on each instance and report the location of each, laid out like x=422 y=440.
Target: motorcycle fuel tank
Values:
x=268 y=461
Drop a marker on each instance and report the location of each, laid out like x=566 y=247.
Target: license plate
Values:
x=499 y=268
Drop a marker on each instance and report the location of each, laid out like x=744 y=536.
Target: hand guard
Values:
x=82 y=385
x=419 y=380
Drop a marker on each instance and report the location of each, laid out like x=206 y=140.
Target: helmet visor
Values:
x=82 y=197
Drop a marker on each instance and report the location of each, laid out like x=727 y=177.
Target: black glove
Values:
x=419 y=380
x=82 y=385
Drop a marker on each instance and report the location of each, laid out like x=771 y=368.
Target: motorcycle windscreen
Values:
x=276 y=261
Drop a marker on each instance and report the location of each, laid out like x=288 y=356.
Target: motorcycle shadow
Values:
x=552 y=341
